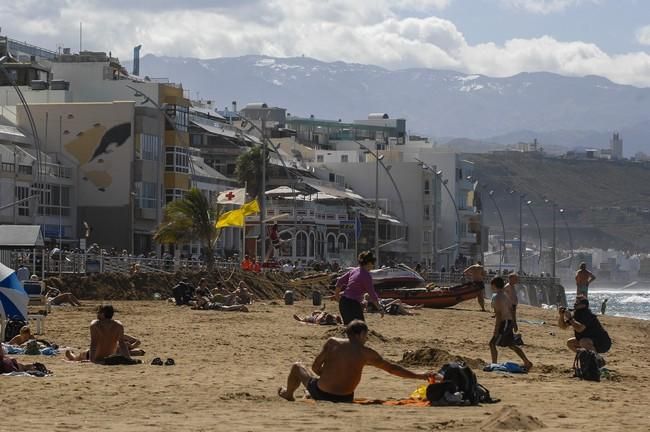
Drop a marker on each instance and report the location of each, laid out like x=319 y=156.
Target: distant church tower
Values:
x=616 y=145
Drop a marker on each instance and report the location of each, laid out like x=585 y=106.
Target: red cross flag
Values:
x=233 y=196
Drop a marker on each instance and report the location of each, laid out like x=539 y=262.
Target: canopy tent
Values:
x=13 y=298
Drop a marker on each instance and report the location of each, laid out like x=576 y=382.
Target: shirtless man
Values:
x=106 y=339
x=503 y=335
x=583 y=278
x=476 y=273
x=337 y=369
x=510 y=290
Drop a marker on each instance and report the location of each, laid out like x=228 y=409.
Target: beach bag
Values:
x=464 y=380
x=316 y=298
x=585 y=365
x=12 y=328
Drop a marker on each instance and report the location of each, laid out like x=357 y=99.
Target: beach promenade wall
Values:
x=531 y=290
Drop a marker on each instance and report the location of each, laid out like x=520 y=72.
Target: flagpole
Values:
x=243 y=234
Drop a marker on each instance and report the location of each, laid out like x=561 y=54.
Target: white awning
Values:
x=21 y=236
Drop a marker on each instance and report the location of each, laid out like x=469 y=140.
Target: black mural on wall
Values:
x=116 y=135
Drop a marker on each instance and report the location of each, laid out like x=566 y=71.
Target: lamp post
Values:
x=521 y=230
x=553 y=207
x=539 y=231
x=378 y=157
x=562 y=213
x=503 y=228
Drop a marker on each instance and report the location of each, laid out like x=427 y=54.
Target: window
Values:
x=22 y=192
x=149 y=147
x=301 y=244
x=52 y=199
x=173 y=195
x=177 y=160
x=344 y=158
x=332 y=177
x=342 y=243
x=426 y=187
x=319 y=158
x=145 y=195
x=331 y=244
x=426 y=212
x=427 y=236
x=195 y=140
x=180 y=116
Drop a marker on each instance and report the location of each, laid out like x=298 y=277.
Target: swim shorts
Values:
x=318 y=394
x=505 y=336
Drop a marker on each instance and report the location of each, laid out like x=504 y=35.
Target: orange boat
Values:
x=437 y=297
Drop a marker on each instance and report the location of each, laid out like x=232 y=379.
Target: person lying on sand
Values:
x=55 y=297
x=24 y=335
x=8 y=365
x=320 y=317
x=221 y=307
x=338 y=368
x=390 y=306
x=106 y=339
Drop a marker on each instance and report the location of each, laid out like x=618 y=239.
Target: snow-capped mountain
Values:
x=434 y=102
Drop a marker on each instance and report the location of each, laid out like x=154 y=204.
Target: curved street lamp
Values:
x=553 y=207
x=562 y=213
x=539 y=231
x=503 y=227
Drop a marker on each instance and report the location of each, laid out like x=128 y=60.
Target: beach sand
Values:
x=229 y=366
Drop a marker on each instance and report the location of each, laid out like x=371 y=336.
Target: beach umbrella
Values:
x=13 y=298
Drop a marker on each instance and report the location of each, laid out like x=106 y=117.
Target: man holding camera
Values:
x=589 y=332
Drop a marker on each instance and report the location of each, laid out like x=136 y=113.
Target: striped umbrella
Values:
x=13 y=298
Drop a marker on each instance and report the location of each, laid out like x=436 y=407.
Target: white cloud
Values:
x=545 y=6
x=360 y=32
x=643 y=35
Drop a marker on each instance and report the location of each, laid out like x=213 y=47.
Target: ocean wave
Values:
x=635 y=299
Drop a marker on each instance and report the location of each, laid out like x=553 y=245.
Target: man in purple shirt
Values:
x=351 y=287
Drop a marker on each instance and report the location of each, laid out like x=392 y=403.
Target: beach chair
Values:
x=34 y=290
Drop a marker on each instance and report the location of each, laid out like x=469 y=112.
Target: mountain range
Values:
x=560 y=111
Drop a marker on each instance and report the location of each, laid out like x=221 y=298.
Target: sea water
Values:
x=632 y=303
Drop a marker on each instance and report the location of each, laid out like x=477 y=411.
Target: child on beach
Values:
x=503 y=335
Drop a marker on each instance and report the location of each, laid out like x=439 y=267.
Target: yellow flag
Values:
x=250 y=208
x=233 y=218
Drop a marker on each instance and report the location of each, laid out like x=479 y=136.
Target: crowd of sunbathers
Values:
x=218 y=298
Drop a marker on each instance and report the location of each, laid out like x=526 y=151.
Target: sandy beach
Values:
x=229 y=366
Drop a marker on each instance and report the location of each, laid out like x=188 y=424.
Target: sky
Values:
x=610 y=38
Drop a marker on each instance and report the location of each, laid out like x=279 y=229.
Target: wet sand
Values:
x=229 y=366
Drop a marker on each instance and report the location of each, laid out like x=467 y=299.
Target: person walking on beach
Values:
x=476 y=274
x=338 y=368
x=510 y=290
x=603 y=307
x=351 y=287
x=503 y=335
x=589 y=333
x=583 y=278
x=106 y=339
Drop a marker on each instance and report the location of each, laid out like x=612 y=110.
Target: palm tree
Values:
x=249 y=170
x=192 y=218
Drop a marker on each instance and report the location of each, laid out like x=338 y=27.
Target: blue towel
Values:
x=13 y=350
x=504 y=367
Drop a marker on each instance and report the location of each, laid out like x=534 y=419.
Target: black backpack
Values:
x=586 y=365
x=463 y=378
x=13 y=327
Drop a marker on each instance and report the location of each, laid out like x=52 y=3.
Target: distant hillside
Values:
x=607 y=203
x=436 y=103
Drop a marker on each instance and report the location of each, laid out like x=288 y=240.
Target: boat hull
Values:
x=433 y=298
x=396 y=277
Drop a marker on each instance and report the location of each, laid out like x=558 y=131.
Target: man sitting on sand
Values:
x=588 y=331
x=389 y=305
x=106 y=339
x=337 y=369
x=320 y=317
x=503 y=335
